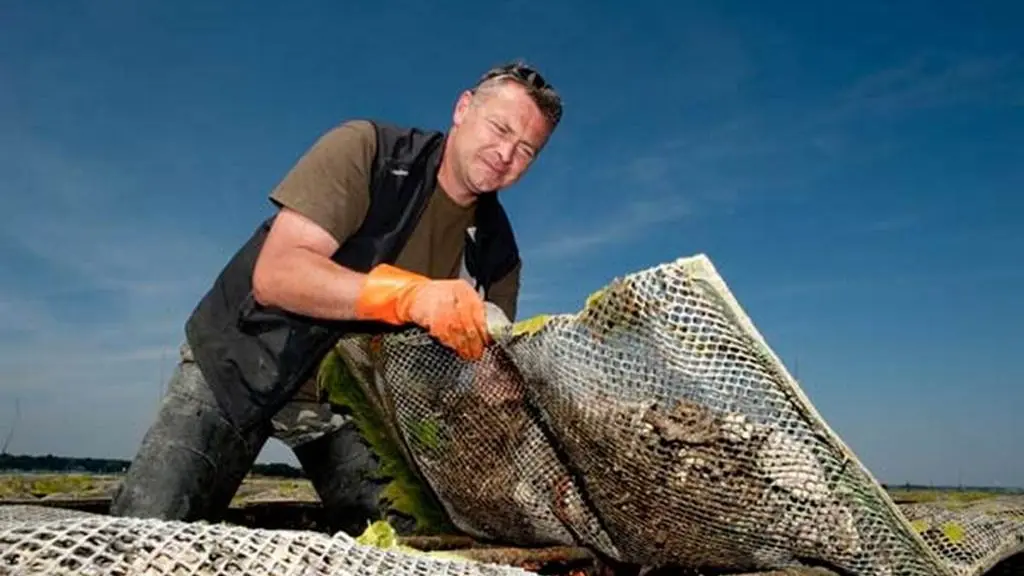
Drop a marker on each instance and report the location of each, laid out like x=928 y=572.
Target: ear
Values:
x=462 y=107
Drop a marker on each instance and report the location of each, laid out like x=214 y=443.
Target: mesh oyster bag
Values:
x=655 y=426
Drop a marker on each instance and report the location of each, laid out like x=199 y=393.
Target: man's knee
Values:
x=170 y=476
x=189 y=459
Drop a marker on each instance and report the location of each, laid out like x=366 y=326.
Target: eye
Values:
x=500 y=127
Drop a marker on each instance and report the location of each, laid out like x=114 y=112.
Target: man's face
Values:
x=497 y=135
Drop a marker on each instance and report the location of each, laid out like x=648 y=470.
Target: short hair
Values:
x=542 y=93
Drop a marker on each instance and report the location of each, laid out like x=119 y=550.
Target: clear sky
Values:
x=854 y=171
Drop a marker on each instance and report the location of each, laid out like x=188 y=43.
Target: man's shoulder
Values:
x=355 y=127
x=404 y=143
x=377 y=126
x=405 y=133
x=347 y=137
x=380 y=139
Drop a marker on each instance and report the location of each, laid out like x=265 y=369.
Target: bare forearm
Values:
x=307 y=283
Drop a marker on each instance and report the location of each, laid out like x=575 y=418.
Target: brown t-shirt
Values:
x=330 y=184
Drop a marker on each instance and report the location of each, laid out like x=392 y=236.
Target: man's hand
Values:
x=294 y=271
x=449 y=309
x=454 y=314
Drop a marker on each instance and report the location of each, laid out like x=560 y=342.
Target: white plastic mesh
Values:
x=970 y=537
x=38 y=540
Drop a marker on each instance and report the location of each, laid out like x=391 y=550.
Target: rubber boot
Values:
x=344 y=471
x=192 y=459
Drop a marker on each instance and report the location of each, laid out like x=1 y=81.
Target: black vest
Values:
x=255 y=358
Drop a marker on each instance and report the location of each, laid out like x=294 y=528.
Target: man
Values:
x=377 y=227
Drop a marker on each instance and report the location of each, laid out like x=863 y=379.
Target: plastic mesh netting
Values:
x=654 y=426
x=38 y=540
x=970 y=536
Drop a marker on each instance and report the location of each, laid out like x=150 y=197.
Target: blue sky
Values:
x=854 y=172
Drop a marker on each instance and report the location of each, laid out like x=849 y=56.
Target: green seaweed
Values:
x=427 y=433
x=954 y=531
x=382 y=535
x=405 y=491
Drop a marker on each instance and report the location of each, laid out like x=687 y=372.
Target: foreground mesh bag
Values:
x=972 y=536
x=657 y=427
x=46 y=541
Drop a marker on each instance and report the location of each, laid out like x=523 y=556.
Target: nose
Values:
x=507 y=149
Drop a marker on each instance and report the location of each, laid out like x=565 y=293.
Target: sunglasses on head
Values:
x=520 y=72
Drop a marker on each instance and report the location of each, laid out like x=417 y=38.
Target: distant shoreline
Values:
x=49 y=463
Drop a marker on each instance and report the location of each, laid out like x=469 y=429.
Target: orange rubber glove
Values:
x=449 y=309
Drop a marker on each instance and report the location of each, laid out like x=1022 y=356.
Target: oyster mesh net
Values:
x=655 y=426
x=39 y=540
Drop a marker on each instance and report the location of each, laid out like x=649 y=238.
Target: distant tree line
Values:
x=51 y=463
x=959 y=488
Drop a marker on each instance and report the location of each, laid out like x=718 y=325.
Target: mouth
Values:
x=494 y=169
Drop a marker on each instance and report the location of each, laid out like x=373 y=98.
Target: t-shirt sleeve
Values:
x=330 y=183
x=505 y=292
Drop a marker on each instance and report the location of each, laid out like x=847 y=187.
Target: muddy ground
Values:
x=260 y=502
x=276 y=503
